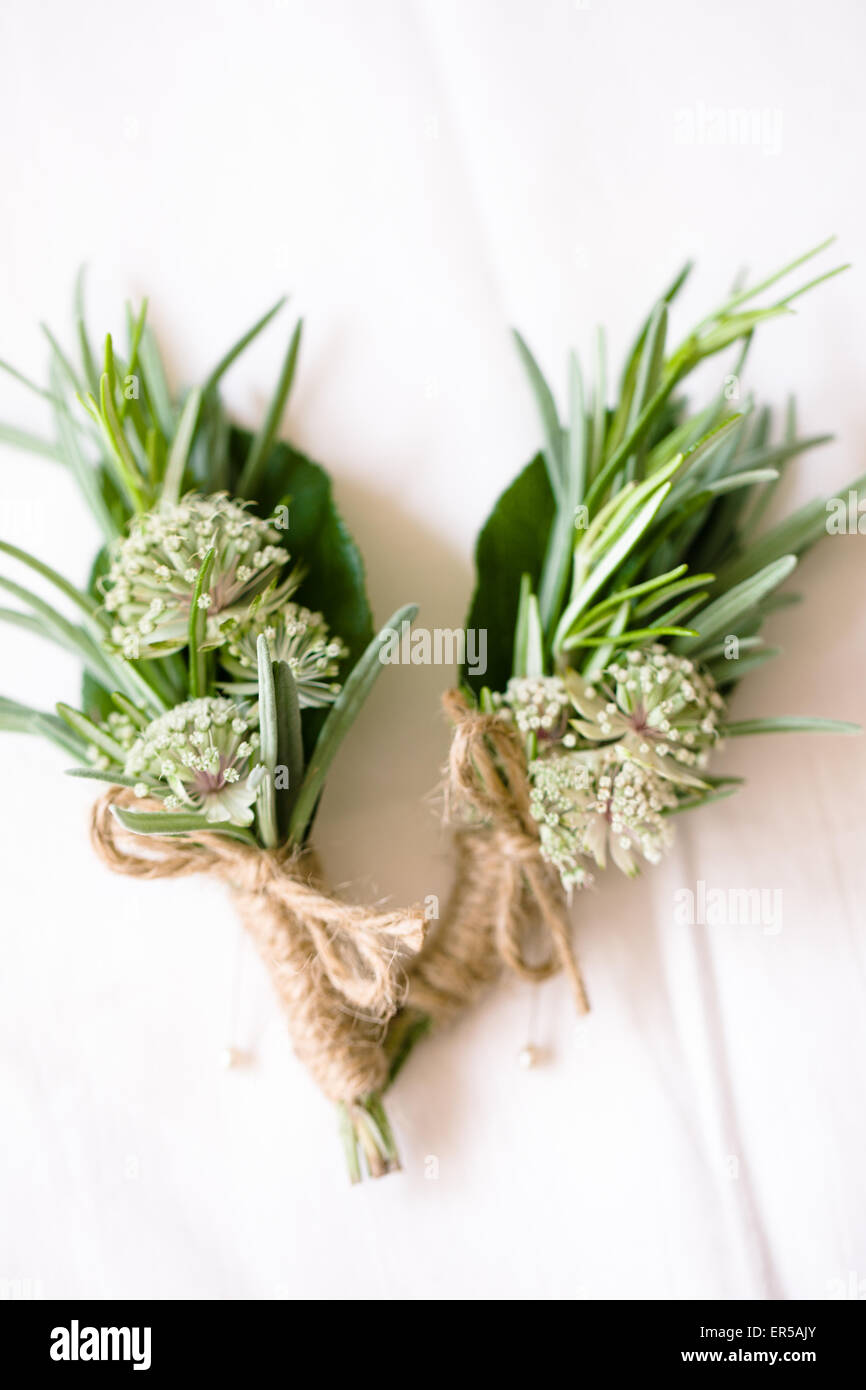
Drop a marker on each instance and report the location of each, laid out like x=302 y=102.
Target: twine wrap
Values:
x=504 y=893
x=340 y=971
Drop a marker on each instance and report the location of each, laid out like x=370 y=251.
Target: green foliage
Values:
x=646 y=501
x=129 y=442
x=512 y=543
x=333 y=580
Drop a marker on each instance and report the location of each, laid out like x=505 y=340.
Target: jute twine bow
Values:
x=504 y=892
x=340 y=970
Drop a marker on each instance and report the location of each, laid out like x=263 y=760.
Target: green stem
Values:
x=365 y=1130
x=350 y=1142
x=364 y=1125
x=408 y=1028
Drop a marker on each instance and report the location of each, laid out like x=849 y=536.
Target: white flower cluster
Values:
x=153 y=572
x=539 y=704
x=603 y=781
x=298 y=637
x=658 y=705
x=590 y=803
x=200 y=756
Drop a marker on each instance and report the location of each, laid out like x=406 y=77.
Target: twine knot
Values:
x=505 y=896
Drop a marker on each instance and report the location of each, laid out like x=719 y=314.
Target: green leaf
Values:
x=58 y=629
x=577 y=452
x=630 y=372
x=214 y=436
x=81 y=601
x=92 y=774
x=86 y=476
x=697 y=505
x=682 y=586
x=812 y=284
x=264 y=440
x=521 y=629
x=722 y=614
x=734 y=481
x=599 y=409
x=691 y=803
x=317 y=537
x=719 y=648
x=630 y=637
x=63 y=363
x=615 y=517
x=648 y=378
x=198 y=683
x=679 y=610
x=155 y=383
x=729 y=671
x=135 y=324
x=791 y=536
x=21 y=719
x=633 y=440
x=290 y=744
x=91 y=733
x=779 y=456
x=789 y=724
x=79 y=646
x=699 y=437
x=180 y=446
x=125 y=467
x=512 y=543
x=179 y=823
x=88 y=362
x=535 y=663
x=610 y=560
x=29 y=443
x=27 y=622
x=635 y=590
x=109 y=369
x=95 y=698
x=557 y=563
x=602 y=655
x=234 y=352
x=340 y=719
x=25 y=381
x=131 y=711
x=266 y=806
x=730 y=330
x=769 y=457
x=749 y=292
x=553 y=459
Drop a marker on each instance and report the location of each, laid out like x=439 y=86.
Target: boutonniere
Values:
x=227 y=646
x=624 y=581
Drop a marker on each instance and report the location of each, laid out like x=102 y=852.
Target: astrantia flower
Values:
x=153 y=571
x=200 y=756
x=539 y=704
x=653 y=705
x=296 y=636
x=591 y=803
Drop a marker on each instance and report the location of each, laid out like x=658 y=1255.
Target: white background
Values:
x=419 y=177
